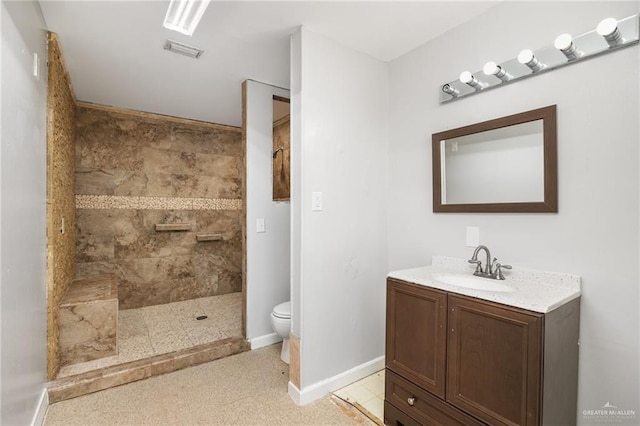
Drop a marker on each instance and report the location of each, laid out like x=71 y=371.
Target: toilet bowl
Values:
x=281 y=324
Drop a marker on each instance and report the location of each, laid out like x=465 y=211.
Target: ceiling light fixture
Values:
x=183 y=16
x=183 y=49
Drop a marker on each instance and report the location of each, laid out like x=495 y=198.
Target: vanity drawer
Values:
x=395 y=417
x=420 y=405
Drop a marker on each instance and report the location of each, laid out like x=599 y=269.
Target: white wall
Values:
x=295 y=62
x=268 y=265
x=501 y=169
x=22 y=213
x=595 y=234
x=339 y=148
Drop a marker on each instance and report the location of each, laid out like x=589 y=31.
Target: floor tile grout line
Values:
x=146 y=326
x=184 y=330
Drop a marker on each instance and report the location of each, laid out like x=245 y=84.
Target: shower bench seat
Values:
x=89 y=319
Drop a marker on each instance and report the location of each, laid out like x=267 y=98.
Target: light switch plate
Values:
x=473 y=236
x=36 y=66
x=260 y=226
x=316 y=201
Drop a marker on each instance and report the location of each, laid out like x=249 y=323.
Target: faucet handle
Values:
x=478 y=265
x=499 y=268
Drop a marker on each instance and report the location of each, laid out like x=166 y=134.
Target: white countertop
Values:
x=536 y=291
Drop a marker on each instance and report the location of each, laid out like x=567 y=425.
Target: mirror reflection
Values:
x=497 y=166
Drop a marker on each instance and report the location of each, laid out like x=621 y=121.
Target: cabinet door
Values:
x=416 y=334
x=494 y=361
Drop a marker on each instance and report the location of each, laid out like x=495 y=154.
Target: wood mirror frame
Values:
x=550 y=202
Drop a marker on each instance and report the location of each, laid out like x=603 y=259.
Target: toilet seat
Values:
x=283 y=310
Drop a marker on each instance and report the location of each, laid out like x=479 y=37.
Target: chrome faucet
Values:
x=492 y=268
x=474 y=259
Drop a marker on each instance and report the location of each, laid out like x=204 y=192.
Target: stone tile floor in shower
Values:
x=155 y=330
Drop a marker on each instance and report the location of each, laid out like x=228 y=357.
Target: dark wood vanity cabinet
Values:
x=494 y=361
x=457 y=360
x=417 y=335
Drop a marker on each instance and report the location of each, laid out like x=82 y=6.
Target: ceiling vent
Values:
x=183 y=49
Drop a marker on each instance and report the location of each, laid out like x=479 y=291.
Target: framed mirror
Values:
x=506 y=165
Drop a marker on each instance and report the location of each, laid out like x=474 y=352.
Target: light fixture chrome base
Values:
x=589 y=45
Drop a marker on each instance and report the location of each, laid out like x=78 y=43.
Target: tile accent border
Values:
x=155 y=203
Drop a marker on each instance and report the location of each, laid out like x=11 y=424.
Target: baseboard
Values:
x=266 y=340
x=322 y=388
x=41 y=409
x=294 y=393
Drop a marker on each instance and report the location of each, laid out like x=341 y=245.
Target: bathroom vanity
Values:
x=459 y=355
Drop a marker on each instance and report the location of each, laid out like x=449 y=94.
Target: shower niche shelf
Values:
x=173 y=227
x=208 y=237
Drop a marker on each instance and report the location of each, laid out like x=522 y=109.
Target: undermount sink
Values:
x=472 y=282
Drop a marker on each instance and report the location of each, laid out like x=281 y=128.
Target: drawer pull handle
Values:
x=411 y=400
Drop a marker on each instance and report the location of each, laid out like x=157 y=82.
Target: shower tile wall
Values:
x=136 y=170
x=61 y=259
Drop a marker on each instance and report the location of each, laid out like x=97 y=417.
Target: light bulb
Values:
x=607 y=27
x=526 y=57
x=491 y=68
x=466 y=77
x=564 y=43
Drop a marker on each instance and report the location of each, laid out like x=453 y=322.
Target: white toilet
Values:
x=281 y=324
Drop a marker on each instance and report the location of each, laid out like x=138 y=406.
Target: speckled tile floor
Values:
x=160 y=329
x=249 y=388
x=366 y=395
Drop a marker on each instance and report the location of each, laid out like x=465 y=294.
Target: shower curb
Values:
x=116 y=375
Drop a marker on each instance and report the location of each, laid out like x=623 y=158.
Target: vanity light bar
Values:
x=609 y=35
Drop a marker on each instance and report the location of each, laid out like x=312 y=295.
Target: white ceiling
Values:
x=114 y=49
